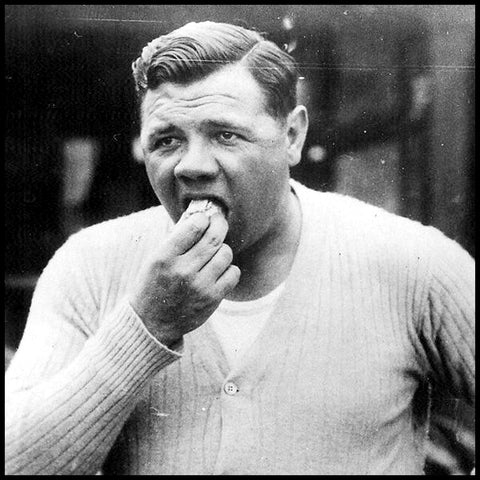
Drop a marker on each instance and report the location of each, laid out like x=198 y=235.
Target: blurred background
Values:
x=389 y=88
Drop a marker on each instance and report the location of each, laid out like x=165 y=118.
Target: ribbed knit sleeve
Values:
x=76 y=377
x=447 y=328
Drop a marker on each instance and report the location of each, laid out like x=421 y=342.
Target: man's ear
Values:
x=297 y=126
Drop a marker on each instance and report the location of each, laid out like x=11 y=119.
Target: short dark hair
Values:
x=198 y=49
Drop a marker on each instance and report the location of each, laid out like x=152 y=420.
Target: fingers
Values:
x=209 y=244
x=187 y=232
x=219 y=275
x=217 y=265
x=228 y=281
x=203 y=260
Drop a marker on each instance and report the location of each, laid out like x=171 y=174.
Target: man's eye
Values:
x=167 y=142
x=227 y=137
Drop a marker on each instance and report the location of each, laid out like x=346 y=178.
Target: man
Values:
x=289 y=332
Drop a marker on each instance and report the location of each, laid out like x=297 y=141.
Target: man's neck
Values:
x=267 y=263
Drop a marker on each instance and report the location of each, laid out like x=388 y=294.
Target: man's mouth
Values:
x=209 y=205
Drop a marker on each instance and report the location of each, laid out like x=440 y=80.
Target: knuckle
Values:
x=194 y=229
x=218 y=296
x=197 y=224
x=184 y=275
x=199 y=289
x=216 y=233
x=235 y=272
x=231 y=277
x=161 y=263
x=177 y=276
x=215 y=240
x=226 y=253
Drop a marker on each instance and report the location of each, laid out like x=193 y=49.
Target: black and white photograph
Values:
x=240 y=239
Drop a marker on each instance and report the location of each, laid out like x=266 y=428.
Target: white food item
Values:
x=206 y=205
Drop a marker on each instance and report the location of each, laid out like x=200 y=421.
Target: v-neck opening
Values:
x=285 y=315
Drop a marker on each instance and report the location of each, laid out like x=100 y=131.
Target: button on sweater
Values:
x=375 y=307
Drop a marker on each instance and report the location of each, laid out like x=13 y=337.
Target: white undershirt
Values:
x=237 y=324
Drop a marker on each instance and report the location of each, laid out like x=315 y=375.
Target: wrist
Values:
x=162 y=333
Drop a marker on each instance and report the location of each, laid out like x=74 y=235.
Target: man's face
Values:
x=214 y=139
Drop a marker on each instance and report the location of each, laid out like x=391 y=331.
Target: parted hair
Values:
x=196 y=50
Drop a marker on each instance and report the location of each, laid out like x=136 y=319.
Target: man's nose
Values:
x=197 y=162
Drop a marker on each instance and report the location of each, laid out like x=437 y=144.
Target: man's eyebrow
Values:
x=161 y=130
x=226 y=123
x=158 y=131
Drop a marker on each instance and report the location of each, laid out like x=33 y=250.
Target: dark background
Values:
x=389 y=88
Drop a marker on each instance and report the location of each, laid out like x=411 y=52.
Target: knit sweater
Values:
x=375 y=306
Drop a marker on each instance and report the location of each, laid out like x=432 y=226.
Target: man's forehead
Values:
x=203 y=110
x=231 y=85
x=208 y=97
x=166 y=97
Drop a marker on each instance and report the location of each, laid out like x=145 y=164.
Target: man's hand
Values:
x=187 y=278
